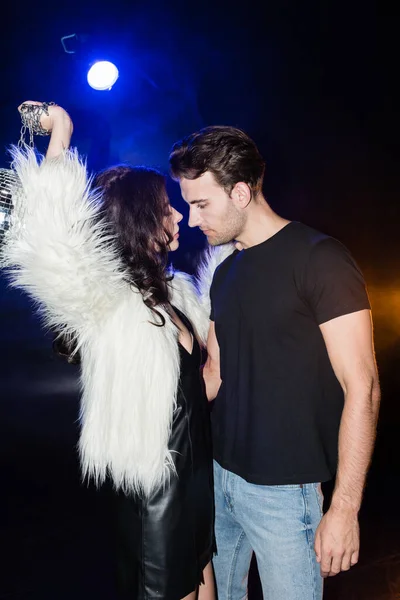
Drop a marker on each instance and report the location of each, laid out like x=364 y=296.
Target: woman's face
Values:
x=171 y=224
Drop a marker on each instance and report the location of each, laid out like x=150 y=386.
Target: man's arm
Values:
x=349 y=342
x=211 y=371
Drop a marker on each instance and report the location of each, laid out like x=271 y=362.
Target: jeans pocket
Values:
x=283 y=486
x=320 y=497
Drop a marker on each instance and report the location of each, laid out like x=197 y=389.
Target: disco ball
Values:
x=9 y=186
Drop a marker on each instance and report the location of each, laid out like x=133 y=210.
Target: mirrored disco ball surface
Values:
x=9 y=186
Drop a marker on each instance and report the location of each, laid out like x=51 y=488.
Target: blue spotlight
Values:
x=102 y=75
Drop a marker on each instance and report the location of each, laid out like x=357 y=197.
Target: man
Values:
x=291 y=365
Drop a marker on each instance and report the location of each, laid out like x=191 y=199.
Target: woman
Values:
x=96 y=261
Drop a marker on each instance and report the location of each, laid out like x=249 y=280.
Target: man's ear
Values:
x=241 y=194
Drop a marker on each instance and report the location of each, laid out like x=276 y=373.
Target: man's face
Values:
x=212 y=209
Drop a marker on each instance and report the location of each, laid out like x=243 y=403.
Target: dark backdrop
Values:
x=314 y=84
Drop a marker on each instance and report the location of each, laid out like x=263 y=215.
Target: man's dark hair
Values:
x=228 y=153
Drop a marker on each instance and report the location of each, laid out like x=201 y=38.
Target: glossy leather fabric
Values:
x=164 y=543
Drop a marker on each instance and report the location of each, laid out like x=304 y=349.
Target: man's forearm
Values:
x=212 y=380
x=356 y=442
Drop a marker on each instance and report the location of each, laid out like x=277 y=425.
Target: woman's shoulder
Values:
x=183 y=288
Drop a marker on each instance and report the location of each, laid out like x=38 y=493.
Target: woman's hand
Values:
x=57 y=116
x=58 y=123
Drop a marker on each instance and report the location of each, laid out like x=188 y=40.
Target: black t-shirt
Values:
x=277 y=414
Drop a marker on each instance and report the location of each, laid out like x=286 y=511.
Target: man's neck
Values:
x=262 y=224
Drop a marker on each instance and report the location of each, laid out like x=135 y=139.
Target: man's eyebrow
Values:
x=197 y=201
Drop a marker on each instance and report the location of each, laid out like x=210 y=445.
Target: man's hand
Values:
x=337 y=541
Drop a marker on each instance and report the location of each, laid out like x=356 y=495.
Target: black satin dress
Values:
x=164 y=543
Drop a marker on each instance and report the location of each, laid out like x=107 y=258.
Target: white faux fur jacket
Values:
x=57 y=249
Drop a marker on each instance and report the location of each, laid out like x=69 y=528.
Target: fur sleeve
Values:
x=57 y=248
x=211 y=259
x=192 y=296
x=185 y=296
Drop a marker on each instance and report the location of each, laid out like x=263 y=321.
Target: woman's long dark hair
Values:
x=135 y=205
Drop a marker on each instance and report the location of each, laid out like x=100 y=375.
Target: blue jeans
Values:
x=278 y=523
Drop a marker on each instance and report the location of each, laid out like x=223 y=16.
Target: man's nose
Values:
x=194 y=218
